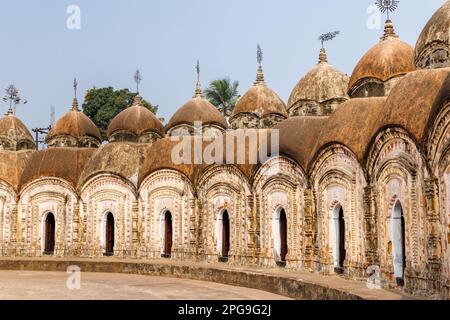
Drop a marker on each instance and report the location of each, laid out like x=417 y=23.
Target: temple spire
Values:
x=259 y=58
x=10 y=112
x=198 y=85
x=387 y=6
x=75 y=100
x=323 y=57
x=389 y=31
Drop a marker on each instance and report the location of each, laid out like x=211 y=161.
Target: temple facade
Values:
x=362 y=178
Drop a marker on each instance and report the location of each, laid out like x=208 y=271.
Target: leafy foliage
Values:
x=223 y=94
x=101 y=105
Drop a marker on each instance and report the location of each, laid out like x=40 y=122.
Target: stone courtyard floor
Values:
x=121 y=278
x=41 y=285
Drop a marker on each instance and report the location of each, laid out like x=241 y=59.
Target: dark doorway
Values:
x=225 y=236
x=49 y=232
x=109 y=235
x=283 y=236
x=399 y=236
x=167 y=235
x=402 y=281
x=342 y=252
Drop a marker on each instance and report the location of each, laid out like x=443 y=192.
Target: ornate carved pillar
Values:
x=257 y=223
x=2 y=223
x=135 y=228
x=15 y=236
x=309 y=229
x=434 y=245
x=76 y=231
x=252 y=221
x=370 y=226
x=194 y=229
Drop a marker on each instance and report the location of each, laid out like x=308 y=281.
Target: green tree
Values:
x=223 y=94
x=103 y=104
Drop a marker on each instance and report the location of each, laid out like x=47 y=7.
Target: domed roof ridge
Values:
x=388 y=59
x=75 y=124
x=136 y=119
x=322 y=83
x=433 y=45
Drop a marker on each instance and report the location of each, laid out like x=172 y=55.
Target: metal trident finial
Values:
x=75 y=87
x=197 y=69
x=386 y=6
x=328 y=36
x=259 y=54
x=137 y=79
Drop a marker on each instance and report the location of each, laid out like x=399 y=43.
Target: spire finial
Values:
x=259 y=59
x=137 y=100
x=137 y=79
x=198 y=85
x=10 y=112
x=14 y=98
x=259 y=54
x=389 y=31
x=323 y=58
x=386 y=6
x=328 y=37
x=75 y=101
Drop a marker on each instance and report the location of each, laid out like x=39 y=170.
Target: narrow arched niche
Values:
x=109 y=240
x=337 y=234
x=223 y=236
x=280 y=237
x=398 y=230
x=167 y=234
x=49 y=229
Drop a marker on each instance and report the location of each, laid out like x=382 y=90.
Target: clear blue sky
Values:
x=164 y=38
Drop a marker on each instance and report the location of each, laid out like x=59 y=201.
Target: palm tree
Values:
x=223 y=94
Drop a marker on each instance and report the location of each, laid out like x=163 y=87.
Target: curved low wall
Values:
x=283 y=285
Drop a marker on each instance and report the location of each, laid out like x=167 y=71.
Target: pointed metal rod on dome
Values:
x=259 y=59
x=137 y=79
x=198 y=86
x=75 y=100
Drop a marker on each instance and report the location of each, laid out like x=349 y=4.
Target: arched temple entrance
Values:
x=283 y=236
x=167 y=229
x=49 y=234
x=225 y=228
x=109 y=235
x=398 y=243
x=338 y=236
x=279 y=228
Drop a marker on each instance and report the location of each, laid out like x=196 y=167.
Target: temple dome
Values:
x=433 y=46
x=197 y=109
x=261 y=103
x=319 y=91
x=74 y=129
x=308 y=129
x=12 y=164
x=14 y=135
x=60 y=163
x=109 y=159
x=382 y=66
x=135 y=124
